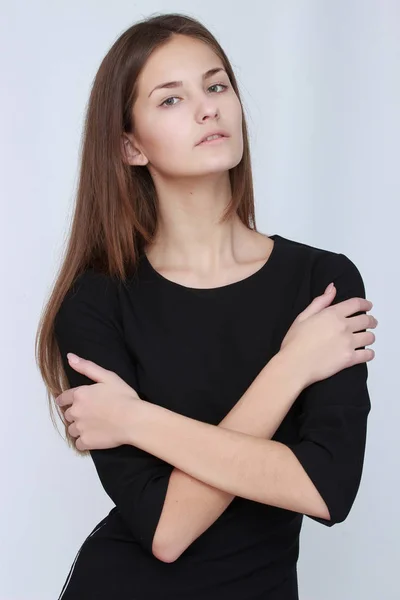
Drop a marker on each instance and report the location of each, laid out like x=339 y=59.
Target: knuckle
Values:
x=348 y=357
x=366 y=321
x=79 y=394
x=340 y=323
x=361 y=304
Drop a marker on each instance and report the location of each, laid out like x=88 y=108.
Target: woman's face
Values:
x=171 y=120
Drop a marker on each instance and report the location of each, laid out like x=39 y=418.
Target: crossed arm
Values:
x=191 y=506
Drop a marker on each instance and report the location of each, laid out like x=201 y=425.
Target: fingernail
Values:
x=73 y=358
x=329 y=288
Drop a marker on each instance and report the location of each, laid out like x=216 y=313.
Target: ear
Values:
x=131 y=153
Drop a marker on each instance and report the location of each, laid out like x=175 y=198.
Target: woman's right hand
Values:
x=323 y=339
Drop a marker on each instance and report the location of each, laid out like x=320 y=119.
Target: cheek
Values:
x=173 y=132
x=237 y=112
x=169 y=139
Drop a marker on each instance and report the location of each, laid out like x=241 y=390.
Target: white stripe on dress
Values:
x=76 y=557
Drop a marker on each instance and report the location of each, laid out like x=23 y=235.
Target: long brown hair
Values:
x=115 y=207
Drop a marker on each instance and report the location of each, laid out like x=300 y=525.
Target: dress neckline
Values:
x=220 y=288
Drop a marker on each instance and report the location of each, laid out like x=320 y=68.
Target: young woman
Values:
x=221 y=383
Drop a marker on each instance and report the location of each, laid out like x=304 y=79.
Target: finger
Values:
x=72 y=430
x=79 y=445
x=67 y=415
x=363 y=355
x=352 y=306
x=317 y=304
x=362 y=322
x=65 y=398
x=362 y=339
x=90 y=369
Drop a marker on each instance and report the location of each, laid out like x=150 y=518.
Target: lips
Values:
x=220 y=132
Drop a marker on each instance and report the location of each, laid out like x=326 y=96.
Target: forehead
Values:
x=180 y=58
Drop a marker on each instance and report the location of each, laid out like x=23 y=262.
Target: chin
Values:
x=218 y=164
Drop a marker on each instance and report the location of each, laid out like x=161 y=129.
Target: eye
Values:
x=220 y=84
x=164 y=103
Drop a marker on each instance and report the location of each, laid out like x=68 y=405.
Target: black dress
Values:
x=196 y=351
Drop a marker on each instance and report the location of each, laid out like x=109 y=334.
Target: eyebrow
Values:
x=174 y=84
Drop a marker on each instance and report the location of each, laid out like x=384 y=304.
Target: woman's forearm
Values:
x=268 y=399
x=191 y=505
x=238 y=463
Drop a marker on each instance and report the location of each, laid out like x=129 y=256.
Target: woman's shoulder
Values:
x=90 y=306
x=91 y=290
x=322 y=265
x=318 y=257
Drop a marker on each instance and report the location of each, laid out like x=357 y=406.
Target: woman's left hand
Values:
x=98 y=412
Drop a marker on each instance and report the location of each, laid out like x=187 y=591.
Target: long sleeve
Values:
x=334 y=411
x=88 y=325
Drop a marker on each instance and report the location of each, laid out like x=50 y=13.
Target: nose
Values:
x=210 y=115
x=208 y=110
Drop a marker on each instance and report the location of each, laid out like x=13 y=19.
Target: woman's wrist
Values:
x=139 y=415
x=294 y=366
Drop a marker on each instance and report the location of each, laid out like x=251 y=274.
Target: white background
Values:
x=321 y=86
